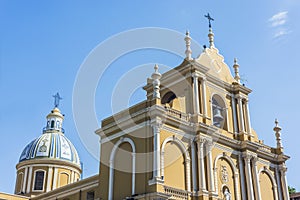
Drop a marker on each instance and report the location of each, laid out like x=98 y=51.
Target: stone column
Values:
x=49 y=179
x=203 y=86
x=247 y=159
x=241 y=115
x=237 y=195
x=196 y=94
x=188 y=173
x=194 y=172
x=162 y=165
x=55 y=178
x=201 y=172
x=256 y=179
x=156 y=126
x=242 y=176
x=248 y=117
x=133 y=173
x=23 y=186
x=279 y=192
x=285 y=190
x=233 y=105
x=29 y=180
x=211 y=182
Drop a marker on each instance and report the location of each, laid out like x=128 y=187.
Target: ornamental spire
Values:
x=188 y=51
x=277 y=130
x=210 y=33
x=236 y=67
x=156 y=82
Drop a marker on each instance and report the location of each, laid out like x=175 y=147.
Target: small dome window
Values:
x=57 y=124
x=39 y=180
x=52 y=124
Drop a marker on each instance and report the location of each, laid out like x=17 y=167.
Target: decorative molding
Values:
x=111 y=165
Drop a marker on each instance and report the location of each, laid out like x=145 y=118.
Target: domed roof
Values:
x=53 y=145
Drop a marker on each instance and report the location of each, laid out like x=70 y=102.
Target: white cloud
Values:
x=278 y=23
x=279 y=19
x=280 y=33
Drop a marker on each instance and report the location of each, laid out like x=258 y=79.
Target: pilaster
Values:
x=247 y=159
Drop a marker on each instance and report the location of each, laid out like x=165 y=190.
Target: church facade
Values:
x=190 y=139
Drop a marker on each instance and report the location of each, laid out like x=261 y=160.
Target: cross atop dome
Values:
x=57 y=98
x=209 y=19
x=210 y=34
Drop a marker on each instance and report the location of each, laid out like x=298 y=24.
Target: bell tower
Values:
x=191 y=138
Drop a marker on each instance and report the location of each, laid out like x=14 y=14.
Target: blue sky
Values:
x=43 y=44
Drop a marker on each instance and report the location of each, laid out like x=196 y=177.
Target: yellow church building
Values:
x=190 y=139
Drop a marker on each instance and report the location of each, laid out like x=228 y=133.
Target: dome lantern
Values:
x=50 y=160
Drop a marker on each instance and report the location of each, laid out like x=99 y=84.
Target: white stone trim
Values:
x=233 y=106
x=247 y=159
x=201 y=168
x=124 y=132
x=256 y=179
x=23 y=189
x=47 y=165
x=211 y=185
x=226 y=149
x=177 y=132
x=186 y=158
x=241 y=115
x=234 y=171
x=194 y=170
x=29 y=179
x=196 y=93
x=279 y=192
x=248 y=116
x=72 y=176
x=242 y=176
x=271 y=176
x=203 y=89
x=111 y=166
x=49 y=179
x=55 y=178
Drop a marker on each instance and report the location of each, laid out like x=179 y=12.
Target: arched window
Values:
x=39 y=180
x=20 y=180
x=219 y=112
x=52 y=124
x=57 y=124
x=168 y=98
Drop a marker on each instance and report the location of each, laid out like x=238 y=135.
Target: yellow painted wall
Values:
x=174 y=175
x=221 y=164
x=123 y=172
x=265 y=186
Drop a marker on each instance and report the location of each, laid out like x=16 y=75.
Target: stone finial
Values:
x=188 y=51
x=211 y=38
x=236 y=67
x=156 y=82
x=277 y=130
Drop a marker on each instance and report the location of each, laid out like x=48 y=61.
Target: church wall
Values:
x=266 y=186
x=143 y=144
x=19 y=182
x=220 y=179
x=64 y=177
x=122 y=184
x=174 y=169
